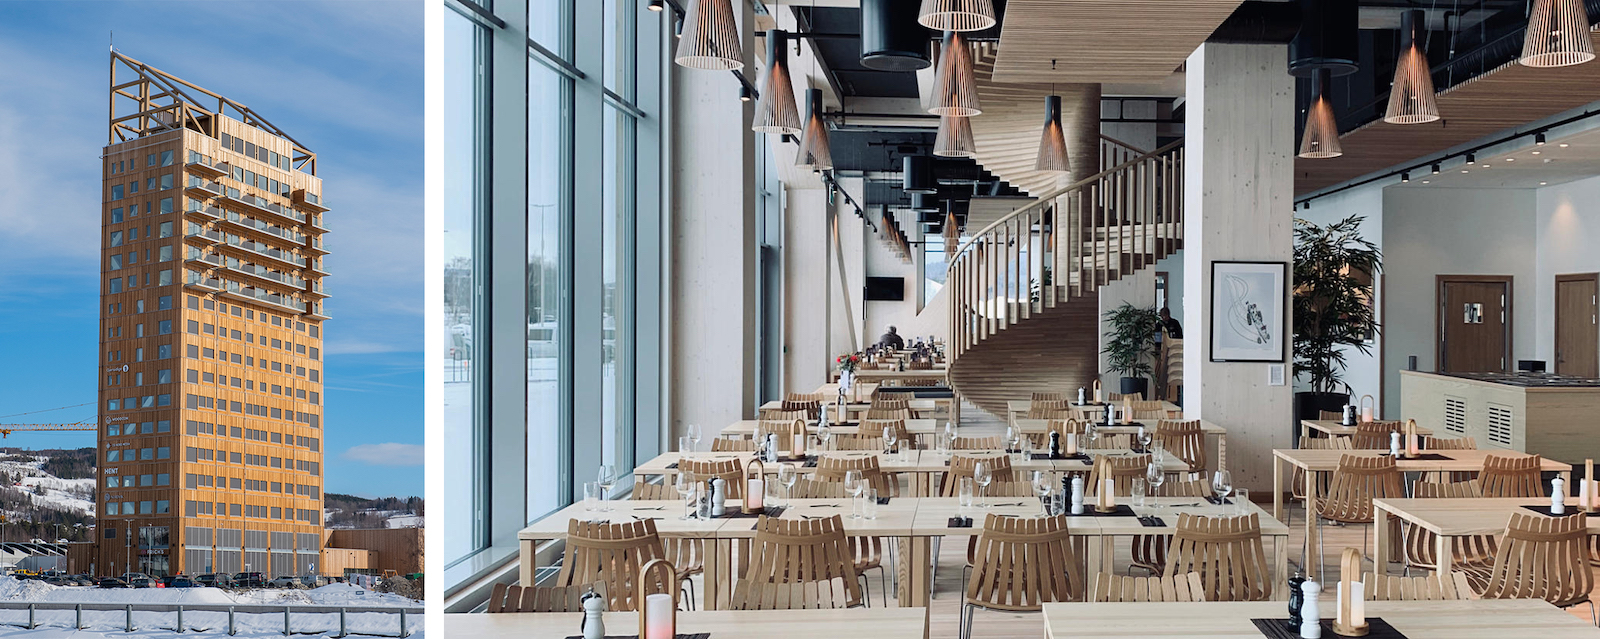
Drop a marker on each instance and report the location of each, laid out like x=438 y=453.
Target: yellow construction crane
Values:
x=7 y=429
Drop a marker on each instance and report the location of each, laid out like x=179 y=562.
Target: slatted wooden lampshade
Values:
x=710 y=37
x=814 y=151
x=955 y=88
x=955 y=138
x=1053 y=141
x=956 y=15
x=1321 y=138
x=775 y=109
x=1411 y=99
x=1558 y=35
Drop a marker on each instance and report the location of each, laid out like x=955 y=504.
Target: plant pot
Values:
x=1310 y=404
x=1140 y=385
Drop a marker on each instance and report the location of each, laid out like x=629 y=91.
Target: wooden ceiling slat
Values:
x=1102 y=40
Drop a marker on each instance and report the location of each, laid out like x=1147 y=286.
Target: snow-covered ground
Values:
x=72 y=495
x=111 y=624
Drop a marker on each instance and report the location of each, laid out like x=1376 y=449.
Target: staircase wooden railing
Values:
x=1066 y=244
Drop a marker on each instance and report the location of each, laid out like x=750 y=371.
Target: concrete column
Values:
x=1080 y=112
x=1238 y=205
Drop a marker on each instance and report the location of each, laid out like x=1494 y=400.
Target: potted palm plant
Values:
x=1334 y=267
x=1131 y=347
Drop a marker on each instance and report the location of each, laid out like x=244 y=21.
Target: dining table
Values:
x=1456 y=619
x=746 y=428
x=1456 y=517
x=879 y=623
x=1332 y=428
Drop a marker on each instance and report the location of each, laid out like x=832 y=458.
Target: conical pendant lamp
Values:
x=775 y=110
x=955 y=89
x=710 y=37
x=954 y=139
x=1321 y=138
x=814 y=151
x=1558 y=35
x=956 y=15
x=1053 y=141
x=1411 y=100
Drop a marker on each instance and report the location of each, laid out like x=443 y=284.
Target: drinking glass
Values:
x=824 y=435
x=1043 y=483
x=981 y=477
x=786 y=477
x=694 y=435
x=1153 y=478
x=853 y=485
x=949 y=434
x=591 y=498
x=888 y=439
x=964 y=496
x=685 y=484
x=1221 y=484
x=941 y=446
x=869 y=503
x=1241 y=501
x=606 y=478
x=683 y=444
x=1137 y=493
x=1091 y=436
x=1144 y=438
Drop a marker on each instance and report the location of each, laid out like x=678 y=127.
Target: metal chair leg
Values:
x=689 y=584
x=866 y=589
x=967 y=611
x=933 y=576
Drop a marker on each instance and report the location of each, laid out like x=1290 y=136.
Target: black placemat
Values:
x=733 y=512
x=697 y=635
x=1046 y=456
x=1090 y=404
x=1218 y=501
x=672 y=466
x=960 y=522
x=1122 y=510
x=1421 y=457
x=883 y=501
x=1545 y=510
x=1279 y=629
x=1152 y=521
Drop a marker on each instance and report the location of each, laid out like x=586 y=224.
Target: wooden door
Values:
x=1577 y=337
x=1474 y=324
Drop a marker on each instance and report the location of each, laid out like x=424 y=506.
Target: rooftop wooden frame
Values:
x=165 y=102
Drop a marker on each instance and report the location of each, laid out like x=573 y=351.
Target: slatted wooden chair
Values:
x=1047 y=397
x=806 y=397
x=796 y=564
x=1297 y=485
x=1109 y=441
x=1111 y=587
x=508 y=598
x=813 y=409
x=686 y=555
x=1421 y=588
x=730 y=445
x=1539 y=557
x=1373 y=435
x=1124 y=469
x=1116 y=398
x=1040 y=409
x=780 y=415
x=902 y=436
x=889 y=402
x=1421 y=546
x=1228 y=554
x=1429 y=442
x=1185 y=441
x=1064 y=426
x=867 y=552
x=1357 y=481
x=730 y=470
x=1147 y=406
x=611 y=554
x=846 y=441
x=1019 y=564
x=901 y=414
x=1330 y=416
x=1149 y=552
x=807 y=488
x=978 y=443
x=783 y=428
x=834 y=467
x=961 y=466
x=883 y=393
x=1508 y=477
x=920 y=365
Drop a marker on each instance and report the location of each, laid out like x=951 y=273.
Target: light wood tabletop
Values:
x=1448 y=518
x=746 y=428
x=1332 y=428
x=1462 y=619
x=879 y=623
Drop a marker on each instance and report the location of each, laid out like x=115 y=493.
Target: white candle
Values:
x=1358 y=604
x=1108 y=494
x=1338 y=605
x=1366 y=413
x=658 y=617
x=1072 y=443
x=754 y=495
x=799 y=446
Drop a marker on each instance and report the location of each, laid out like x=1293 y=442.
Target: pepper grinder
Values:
x=1310 y=614
x=1055 y=445
x=1394 y=444
x=594 y=623
x=1297 y=598
x=1077 y=495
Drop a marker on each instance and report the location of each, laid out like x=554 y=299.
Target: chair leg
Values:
x=866 y=589
x=966 y=620
x=933 y=575
x=1321 y=569
x=689 y=585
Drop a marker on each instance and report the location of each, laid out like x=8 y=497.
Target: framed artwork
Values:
x=1247 y=311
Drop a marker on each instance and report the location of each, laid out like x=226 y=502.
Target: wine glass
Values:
x=684 y=484
x=786 y=478
x=694 y=435
x=606 y=478
x=1145 y=437
x=950 y=431
x=854 y=486
x=981 y=477
x=1011 y=438
x=888 y=439
x=824 y=434
x=1222 y=484
x=1042 y=485
x=1153 y=478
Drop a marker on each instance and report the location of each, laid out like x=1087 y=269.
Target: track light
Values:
x=1405 y=176
x=1557 y=35
x=1435 y=168
x=1472 y=159
x=1321 y=137
x=713 y=37
x=657 y=5
x=744 y=93
x=1538 y=139
x=1411 y=99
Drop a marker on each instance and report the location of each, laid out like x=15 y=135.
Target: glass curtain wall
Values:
x=552 y=111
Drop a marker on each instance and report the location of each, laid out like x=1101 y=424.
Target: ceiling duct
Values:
x=918 y=175
x=923 y=202
x=1259 y=22
x=891 y=39
x=1328 y=39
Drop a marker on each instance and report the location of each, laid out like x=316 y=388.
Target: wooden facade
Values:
x=211 y=342
x=397 y=549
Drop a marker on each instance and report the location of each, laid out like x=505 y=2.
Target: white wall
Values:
x=883 y=262
x=805 y=287
x=1363 y=372
x=1568 y=232
x=1429 y=232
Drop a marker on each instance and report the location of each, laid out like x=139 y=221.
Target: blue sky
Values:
x=344 y=77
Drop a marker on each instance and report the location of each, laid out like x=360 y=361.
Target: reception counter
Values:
x=1551 y=415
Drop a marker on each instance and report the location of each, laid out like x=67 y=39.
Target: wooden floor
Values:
x=947 y=594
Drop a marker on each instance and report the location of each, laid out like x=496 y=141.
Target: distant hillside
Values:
x=47 y=494
x=350 y=511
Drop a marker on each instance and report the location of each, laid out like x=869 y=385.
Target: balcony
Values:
x=204 y=212
x=204 y=166
x=258 y=296
x=202 y=283
x=264 y=275
x=262 y=229
x=203 y=189
x=197 y=257
x=202 y=236
x=313 y=246
x=315 y=290
x=261 y=207
x=259 y=251
x=314 y=311
x=309 y=201
x=314 y=225
x=314 y=267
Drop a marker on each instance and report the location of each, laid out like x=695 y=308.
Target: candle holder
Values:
x=651 y=627
x=1105 y=493
x=1369 y=407
x=1589 y=490
x=1097 y=397
x=754 y=484
x=797 y=439
x=1351 y=618
x=1411 y=445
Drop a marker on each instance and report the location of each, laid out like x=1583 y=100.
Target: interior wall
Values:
x=1568 y=230
x=805 y=259
x=1428 y=232
x=880 y=261
x=846 y=327
x=1363 y=372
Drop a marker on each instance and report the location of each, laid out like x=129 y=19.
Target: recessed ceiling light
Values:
x=1511 y=159
x=1543 y=183
x=1426 y=181
x=1563 y=145
x=1536 y=152
x=1463 y=170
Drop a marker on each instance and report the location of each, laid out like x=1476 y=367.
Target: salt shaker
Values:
x=1394 y=444
x=594 y=624
x=1080 y=396
x=718 y=496
x=1077 y=495
x=1558 y=496
x=1310 y=614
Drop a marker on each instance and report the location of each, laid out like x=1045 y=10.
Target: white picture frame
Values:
x=1247 y=314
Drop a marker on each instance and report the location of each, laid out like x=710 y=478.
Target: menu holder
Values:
x=1545 y=510
x=1152 y=521
x=960 y=522
x=1279 y=629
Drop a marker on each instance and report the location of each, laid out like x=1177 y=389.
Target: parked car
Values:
x=112 y=582
x=55 y=581
x=130 y=576
x=249 y=580
x=181 y=581
x=214 y=580
x=284 y=581
x=141 y=582
x=82 y=580
x=314 y=581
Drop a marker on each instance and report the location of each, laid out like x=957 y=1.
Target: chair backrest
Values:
x=1019 y=563
x=1065 y=427
x=813 y=409
x=1421 y=545
x=1065 y=413
x=807 y=488
x=890 y=402
x=784 y=429
x=1047 y=397
x=901 y=414
x=1356 y=482
x=1117 y=398
x=730 y=470
x=1147 y=405
x=1298 y=482
x=874 y=428
x=1228 y=554
x=1542 y=558
x=806 y=397
x=1330 y=415
x=798 y=563
x=730 y=445
x=508 y=598
x=1442 y=490
x=1429 y=442
x=644 y=491
x=920 y=365
x=1421 y=588
x=1373 y=435
x=1111 y=587
x=1512 y=476
x=611 y=554
x=978 y=443
x=1124 y=469
x=780 y=415
x=1184 y=488
x=1040 y=409
x=844 y=441
x=962 y=465
x=833 y=468
x=1183 y=440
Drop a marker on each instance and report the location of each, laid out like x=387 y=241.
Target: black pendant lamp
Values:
x=814 y=151
x=1053 y=140
x=1321 y=137
x=917 y=175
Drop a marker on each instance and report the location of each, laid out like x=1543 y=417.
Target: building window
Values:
x=116 y=238
x=116 y=192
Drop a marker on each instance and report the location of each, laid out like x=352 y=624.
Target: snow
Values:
x=110 y=624
x=404 y=521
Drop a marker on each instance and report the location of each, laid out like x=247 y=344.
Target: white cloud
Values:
x=386 y=454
